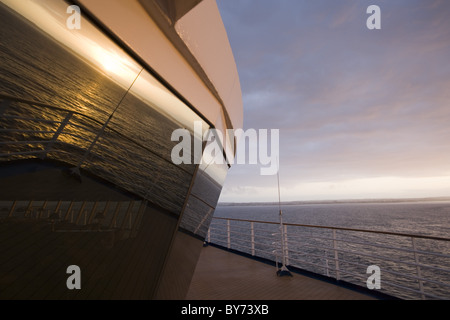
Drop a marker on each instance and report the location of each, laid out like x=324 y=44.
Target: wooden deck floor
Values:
x=223 y=275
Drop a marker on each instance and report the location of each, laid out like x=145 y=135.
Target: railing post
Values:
x=419 y=273
x=92 y=214
x=286 y=253
x=209 y=235
x=42 y=209
x=57 y=134
x=113 y=223
x=80 y=213
x=253 y=237
x=336 y=256
x=228 y=235
x=29 y=210
x=58 y=205
x=326 y=264
x=68 y=212
x=11 y=210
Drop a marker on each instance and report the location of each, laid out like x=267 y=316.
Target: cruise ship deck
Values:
x=224 y=275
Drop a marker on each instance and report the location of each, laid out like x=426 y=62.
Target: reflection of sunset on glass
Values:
x=113 y=63
x=87 y=41
x=104 y=54
x=110 y=64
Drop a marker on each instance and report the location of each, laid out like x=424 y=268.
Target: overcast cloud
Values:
x=355 y=107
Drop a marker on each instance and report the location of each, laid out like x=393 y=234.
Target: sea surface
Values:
x=312 y=248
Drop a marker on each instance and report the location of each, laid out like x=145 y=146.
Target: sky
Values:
x=362 y=114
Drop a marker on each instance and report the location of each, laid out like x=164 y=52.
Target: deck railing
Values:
x=406 y=266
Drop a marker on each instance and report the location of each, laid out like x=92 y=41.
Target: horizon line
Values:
x=324 y=201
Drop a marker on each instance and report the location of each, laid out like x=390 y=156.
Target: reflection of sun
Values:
x=108 y=63
x=88 y=42
x=117 y=66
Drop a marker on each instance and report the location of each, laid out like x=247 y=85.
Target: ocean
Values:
x=424 y=218
x=312 y=248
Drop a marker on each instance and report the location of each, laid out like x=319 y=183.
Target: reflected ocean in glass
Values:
x=134 y=151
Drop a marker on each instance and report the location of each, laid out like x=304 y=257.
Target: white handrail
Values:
x=241 y=235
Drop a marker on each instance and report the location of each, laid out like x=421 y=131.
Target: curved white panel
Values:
x=130 y=22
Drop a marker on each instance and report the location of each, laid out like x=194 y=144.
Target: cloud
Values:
x=350 y=103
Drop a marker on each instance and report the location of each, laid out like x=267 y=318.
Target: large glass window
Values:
x=75 y=96
x=203 y=198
